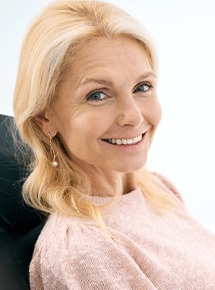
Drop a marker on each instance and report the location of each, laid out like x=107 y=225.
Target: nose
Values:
x=129 y=113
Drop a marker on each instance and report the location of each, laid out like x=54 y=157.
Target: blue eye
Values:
x=96 y=96
x=142 y=88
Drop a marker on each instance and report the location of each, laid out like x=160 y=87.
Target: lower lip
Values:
x=128 y=147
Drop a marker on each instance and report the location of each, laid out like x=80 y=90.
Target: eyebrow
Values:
x=97 y=81
x=109 y=83
x=146 y=75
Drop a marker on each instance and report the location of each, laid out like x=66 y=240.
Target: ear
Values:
x=46 y=123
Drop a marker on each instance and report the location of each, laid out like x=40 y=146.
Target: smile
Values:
x=125 y=141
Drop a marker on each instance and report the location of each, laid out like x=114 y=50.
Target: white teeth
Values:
x=118 y=141
x=125 y=141
x=130 y=141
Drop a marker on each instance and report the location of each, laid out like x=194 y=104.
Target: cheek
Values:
x=158 y=113
x=155 y=113
x=83 y=138
x=93 y=122
x=74 y=139
x=73 y=121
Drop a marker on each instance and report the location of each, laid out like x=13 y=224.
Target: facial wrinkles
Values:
x=77 y=110
x=109 y=78
x=69 y=103
x=122 y=83
x=102 y=64
x=84 y=124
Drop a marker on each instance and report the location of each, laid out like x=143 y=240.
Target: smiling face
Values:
x=107 y=111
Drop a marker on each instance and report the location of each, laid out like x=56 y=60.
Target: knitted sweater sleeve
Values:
x=67 y=262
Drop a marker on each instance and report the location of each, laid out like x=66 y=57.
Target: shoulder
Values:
x=63 y=236
x=166 y=184
x=59 y=229
x=64 y=243
x=70 y=251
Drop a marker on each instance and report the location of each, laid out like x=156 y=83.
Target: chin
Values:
x=131 y=166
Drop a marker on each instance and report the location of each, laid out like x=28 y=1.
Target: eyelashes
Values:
x=96 y=96
x=143 y=87
x=100 y=95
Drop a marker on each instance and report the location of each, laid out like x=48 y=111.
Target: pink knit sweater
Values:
x=149 y=251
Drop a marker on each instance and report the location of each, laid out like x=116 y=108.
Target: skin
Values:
x=109 y=93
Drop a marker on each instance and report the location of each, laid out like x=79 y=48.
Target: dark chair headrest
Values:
x=15 y=215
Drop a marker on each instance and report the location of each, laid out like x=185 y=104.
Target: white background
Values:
x=184 y=33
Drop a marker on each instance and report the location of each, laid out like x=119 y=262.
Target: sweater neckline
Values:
x=130 y=203
x=101 y=200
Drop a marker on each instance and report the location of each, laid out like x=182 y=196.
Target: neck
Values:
x=107 y=184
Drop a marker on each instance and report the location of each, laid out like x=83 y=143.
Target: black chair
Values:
x=20 y=225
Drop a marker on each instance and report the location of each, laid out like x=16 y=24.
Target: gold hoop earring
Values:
x=53 y=154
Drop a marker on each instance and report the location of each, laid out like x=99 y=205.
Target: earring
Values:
x=54 y=162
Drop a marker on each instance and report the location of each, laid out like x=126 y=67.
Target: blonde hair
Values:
x=48 y=48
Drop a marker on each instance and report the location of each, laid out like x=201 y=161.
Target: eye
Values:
x=96 y=97
x=142 y=88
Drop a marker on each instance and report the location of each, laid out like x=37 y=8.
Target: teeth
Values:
x=125 y=141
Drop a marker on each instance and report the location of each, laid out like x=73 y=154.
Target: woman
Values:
x=85 y=102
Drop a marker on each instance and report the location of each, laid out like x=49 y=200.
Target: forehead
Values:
x=98 y=44
x=103 y=57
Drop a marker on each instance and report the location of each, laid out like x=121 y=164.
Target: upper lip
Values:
x=126 y=138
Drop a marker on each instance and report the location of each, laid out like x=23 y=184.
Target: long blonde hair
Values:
x=48 y=48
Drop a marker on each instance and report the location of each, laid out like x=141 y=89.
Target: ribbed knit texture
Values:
x=149 y=251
